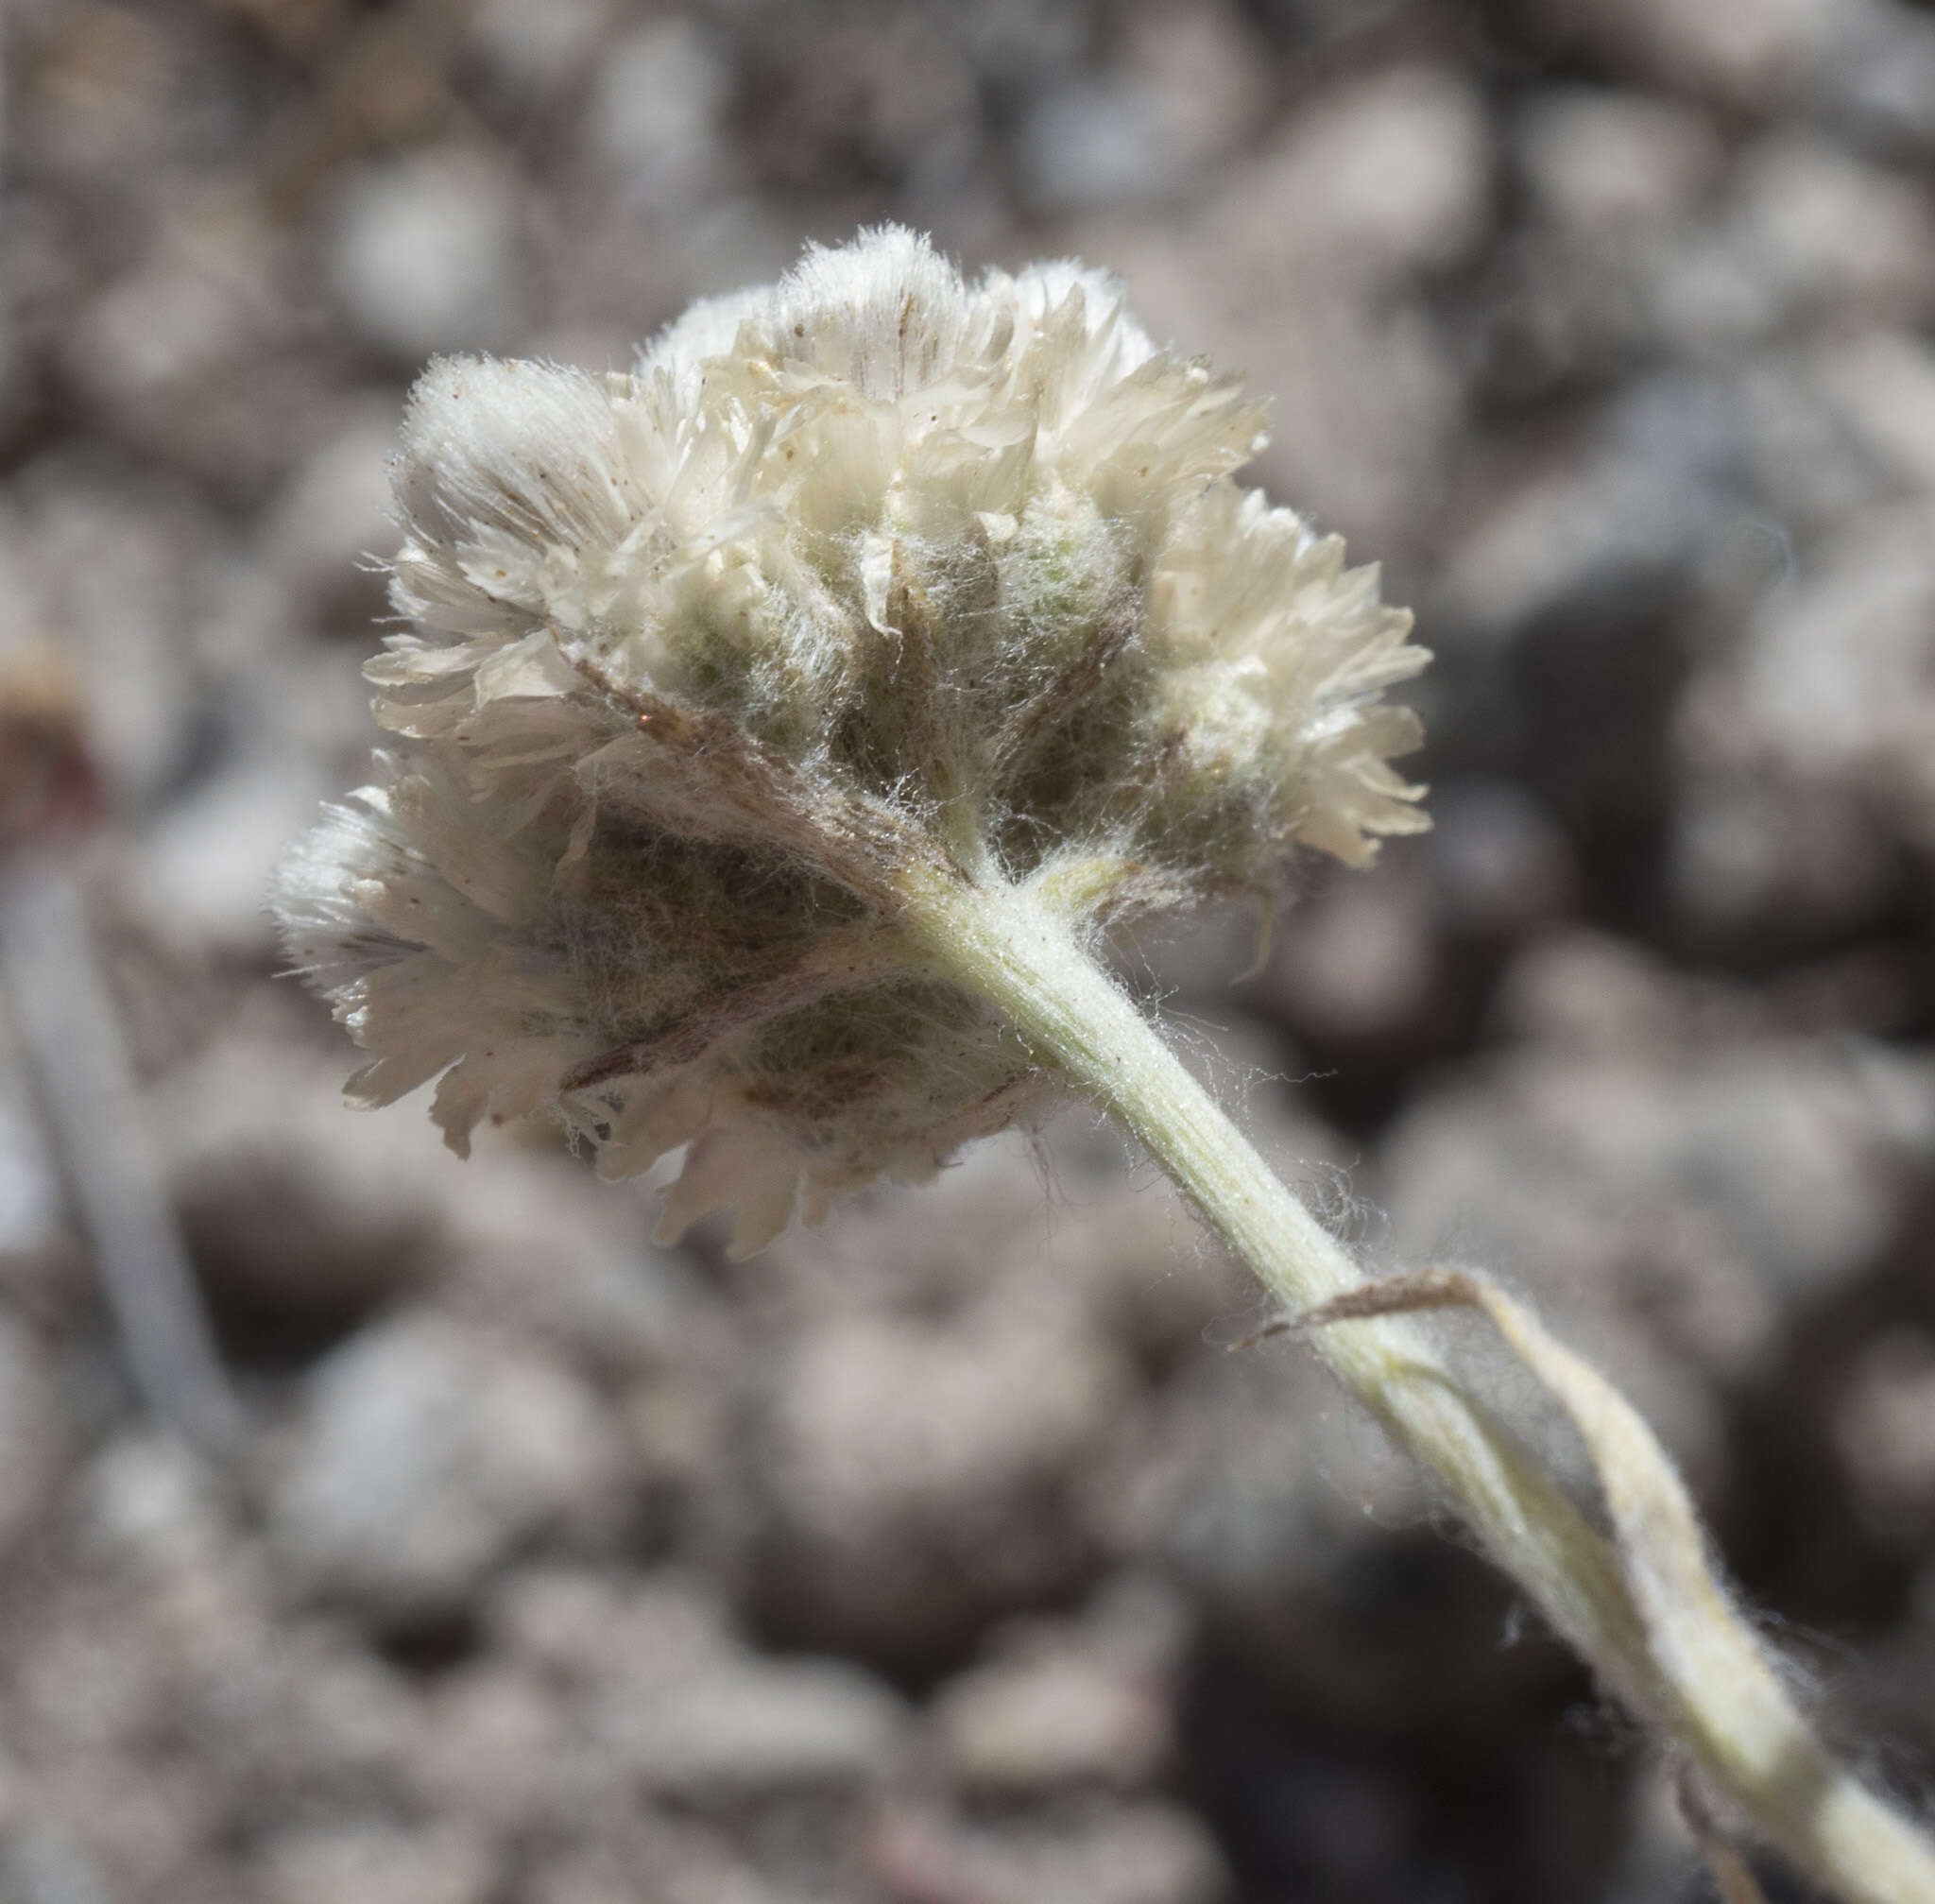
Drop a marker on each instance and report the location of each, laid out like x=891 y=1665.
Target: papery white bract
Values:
x=867 y=564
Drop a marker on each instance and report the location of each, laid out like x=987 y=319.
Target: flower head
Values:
x=869 y=566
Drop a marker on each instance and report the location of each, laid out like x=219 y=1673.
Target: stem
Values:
x=1004 y=945
x=71 y=1032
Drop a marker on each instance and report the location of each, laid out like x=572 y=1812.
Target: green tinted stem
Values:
x=1005 y=945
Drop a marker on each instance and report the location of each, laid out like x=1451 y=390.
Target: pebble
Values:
x=377 y=1862
x=423 y=255
x=1603 y=164
x=427 y=1451
x=574 y=1570
x=294 y=1207
x=1146 y=1851
x=1051 y=1715
x=330 y=516
x=657 y=108
x=914 y=1475
x=1387 y=174
x=743 y=1728
x=1884 y=1426
x=1096 y=141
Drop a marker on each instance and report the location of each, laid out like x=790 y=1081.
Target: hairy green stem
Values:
x=1701 y=1678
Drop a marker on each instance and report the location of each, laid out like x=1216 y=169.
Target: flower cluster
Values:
x=867 y=569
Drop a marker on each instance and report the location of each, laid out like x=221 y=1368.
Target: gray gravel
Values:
x=946 y=1555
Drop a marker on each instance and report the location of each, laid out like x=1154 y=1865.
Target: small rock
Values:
x=428 y=1449
x=536 y=1249
x=1497 y=861
x=578 y=1627
x=1884 y=1425
x=689 y=1862
x=1148 y=1852
x=743 y=1728
x=1276 y=1506
x=104 y=99
x=1599 y=536
x=300 y=1215
x=656 y=108
x=150 y=1500
x=1360 y=961
x=332 y=513
x=377 y=1863
x=341 y=1716
x=423 y=253
x=914 y=1471
x=1387 y=174
x=1810 y=858
x=1754 y=53
x=207 y=298
x=1835 y=235
x=1615 y=183
x=1883 y=383
x=1049 y=1714
x=1062 y=1218
x=1095 y=142
x=1676 y=1203
x=1211 y=78
x=1585 y=993
x=1881 y=85
x=1376 y=182
x=41 y=1866
x=493 y=1747
x=1601 y=162
x=672 y=1698
x=1837 y=662
x=209 y=855
x=533 y=51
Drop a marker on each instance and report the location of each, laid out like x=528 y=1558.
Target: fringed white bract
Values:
x=866 y=565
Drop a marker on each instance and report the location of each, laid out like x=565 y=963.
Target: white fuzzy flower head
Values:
x=867 y=567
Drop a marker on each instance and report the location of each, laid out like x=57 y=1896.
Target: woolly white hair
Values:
x=866 y=564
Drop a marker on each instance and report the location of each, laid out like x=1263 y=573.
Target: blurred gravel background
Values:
x=946 y=1556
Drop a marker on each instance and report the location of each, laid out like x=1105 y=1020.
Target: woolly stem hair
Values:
x=1642 y=1607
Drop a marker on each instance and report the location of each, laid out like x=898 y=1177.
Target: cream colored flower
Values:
x=868 y=566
